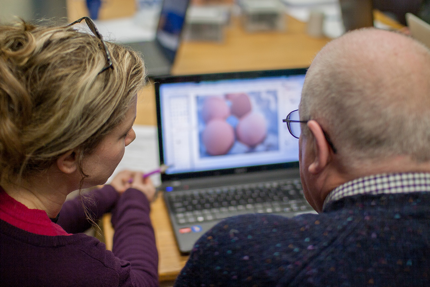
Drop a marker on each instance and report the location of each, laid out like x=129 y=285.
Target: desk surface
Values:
x=240 y=51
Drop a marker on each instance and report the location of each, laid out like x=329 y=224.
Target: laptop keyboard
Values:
x=217 y=203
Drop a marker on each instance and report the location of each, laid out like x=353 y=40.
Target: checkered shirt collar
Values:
x=382 y=184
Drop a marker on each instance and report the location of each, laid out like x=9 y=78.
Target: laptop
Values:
x=420 y=30
x=159 y=54
x=227 y=150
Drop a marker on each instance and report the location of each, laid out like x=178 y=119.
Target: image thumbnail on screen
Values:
x=238 y=123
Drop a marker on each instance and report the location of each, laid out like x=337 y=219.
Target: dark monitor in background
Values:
x=159 y=54
x=170 y=26
x=356 y=13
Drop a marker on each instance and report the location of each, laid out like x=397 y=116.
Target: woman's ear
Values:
x=321 y=147
x=67 y=162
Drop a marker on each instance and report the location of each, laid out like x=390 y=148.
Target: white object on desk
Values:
x=147 y=13
x=309 y=2
x=262 y=15
x=137 y=28
x=420 y=30
x=124 y=30
x=332 y=24
x=315 y=24
x=206 y=23
x=142 y=153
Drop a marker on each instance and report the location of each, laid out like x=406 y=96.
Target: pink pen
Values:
x=161 y=169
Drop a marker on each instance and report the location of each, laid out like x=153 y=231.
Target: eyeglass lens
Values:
x=294 y=127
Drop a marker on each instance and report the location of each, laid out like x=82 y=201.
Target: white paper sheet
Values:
x=142 y=153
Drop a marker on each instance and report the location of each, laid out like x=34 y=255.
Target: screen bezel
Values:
x=196 y=78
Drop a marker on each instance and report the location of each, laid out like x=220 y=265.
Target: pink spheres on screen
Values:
x=240 y=104
x=252 y=129
x=219 y=136
x=215 y=108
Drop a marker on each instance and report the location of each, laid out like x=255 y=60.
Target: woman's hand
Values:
x=132 y=179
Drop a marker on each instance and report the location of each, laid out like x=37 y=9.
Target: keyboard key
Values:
x=191 y=219
x=232 y=208
x=221 y=215
x=209 y=217
x=215 y=210
x=200 y=218
x=182 y=221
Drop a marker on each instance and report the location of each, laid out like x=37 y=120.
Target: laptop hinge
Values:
x=214 y=181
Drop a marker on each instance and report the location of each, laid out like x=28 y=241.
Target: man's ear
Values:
x=321 y=147
x=67 y=162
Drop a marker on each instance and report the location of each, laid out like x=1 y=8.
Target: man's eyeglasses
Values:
x=293 y=124
x=93 y=29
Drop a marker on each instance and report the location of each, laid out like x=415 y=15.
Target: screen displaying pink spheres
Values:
x=223 y=124
x=238 y=123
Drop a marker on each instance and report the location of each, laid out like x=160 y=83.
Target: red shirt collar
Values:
x=32 y=220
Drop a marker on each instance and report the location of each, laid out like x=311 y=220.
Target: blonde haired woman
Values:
x=67 y=106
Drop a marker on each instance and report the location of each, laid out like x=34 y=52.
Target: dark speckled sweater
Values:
x=375 y=232
x=41 y=253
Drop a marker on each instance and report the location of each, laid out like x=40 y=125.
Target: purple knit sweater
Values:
x=28 y=259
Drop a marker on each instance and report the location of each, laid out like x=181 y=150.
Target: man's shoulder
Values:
x=260 y=231
x=264 y=247
x=249 y=222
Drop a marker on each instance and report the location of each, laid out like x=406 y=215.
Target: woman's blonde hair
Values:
x=52 y=97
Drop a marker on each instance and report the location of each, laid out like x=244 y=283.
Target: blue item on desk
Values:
x=94 y=8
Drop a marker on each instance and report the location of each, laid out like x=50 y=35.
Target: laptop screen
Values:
x=229 y=121
x=170 y=26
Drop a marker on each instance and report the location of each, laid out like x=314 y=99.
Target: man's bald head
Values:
x=370 y=91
